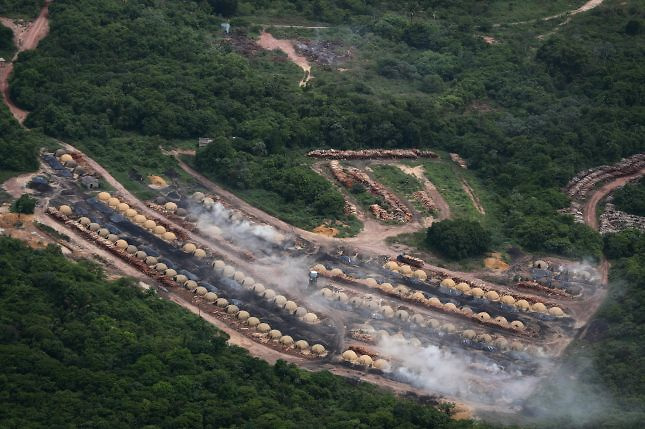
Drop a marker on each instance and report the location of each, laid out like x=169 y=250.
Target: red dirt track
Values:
x=591 y=205
x=25 y=38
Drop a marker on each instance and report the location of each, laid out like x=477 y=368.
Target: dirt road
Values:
x=25 y=38
x=17 y=112
x=268 y=42
x=590 y=208
x=591 y=4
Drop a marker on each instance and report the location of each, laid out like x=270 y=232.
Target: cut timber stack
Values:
x=372 y=154
x=425 y=200
x=612 y=220
x=586 y=180
x=398 y=211
x=340 y=175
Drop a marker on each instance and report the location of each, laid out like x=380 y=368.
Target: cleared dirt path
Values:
x=437 y=198
x=268 y=42
x=25 y=38
x=591 y=205
x=311 y=27
x=591 y=4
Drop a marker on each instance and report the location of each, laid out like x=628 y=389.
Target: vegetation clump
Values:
x=458 y=238
x=631 y=198
x=24 y=205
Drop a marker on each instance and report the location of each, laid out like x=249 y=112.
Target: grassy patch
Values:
x=350 y=228
x=404 y=185
x=295 y=214
x=51 y=231
x=448 y=182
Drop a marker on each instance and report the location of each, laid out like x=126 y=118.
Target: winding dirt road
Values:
x=25 y=38
x=591 y=205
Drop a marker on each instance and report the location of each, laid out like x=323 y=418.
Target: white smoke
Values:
x=220 y=222
x=457 y=375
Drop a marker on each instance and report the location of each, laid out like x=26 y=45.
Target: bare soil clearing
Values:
x=268 y=42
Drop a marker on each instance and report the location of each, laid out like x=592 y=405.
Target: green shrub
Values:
x=458 y=239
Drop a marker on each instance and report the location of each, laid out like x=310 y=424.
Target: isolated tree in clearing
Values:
x=24 y=205
x=458 y=239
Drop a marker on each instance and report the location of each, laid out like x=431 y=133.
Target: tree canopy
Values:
x=631 y=198
x=458 y=238
x=25 y=204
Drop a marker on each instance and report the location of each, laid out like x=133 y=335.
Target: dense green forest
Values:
x=77 y=350
x=6 y=42
x=631 y=198
x=298 y=194
x=18 y=148
x=606 y=362
x=20 y=8
x=458 y=238
x=527 y=113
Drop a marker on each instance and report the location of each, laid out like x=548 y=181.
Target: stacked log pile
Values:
x=350 y=209
x=350 y=176
x=380 y=213
x=340 y=175
x=425 y=200
x=372 y=154
x=82 y=162
x=585 y=181
x=613 y=220
x=458 y=160
x=398 y=211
